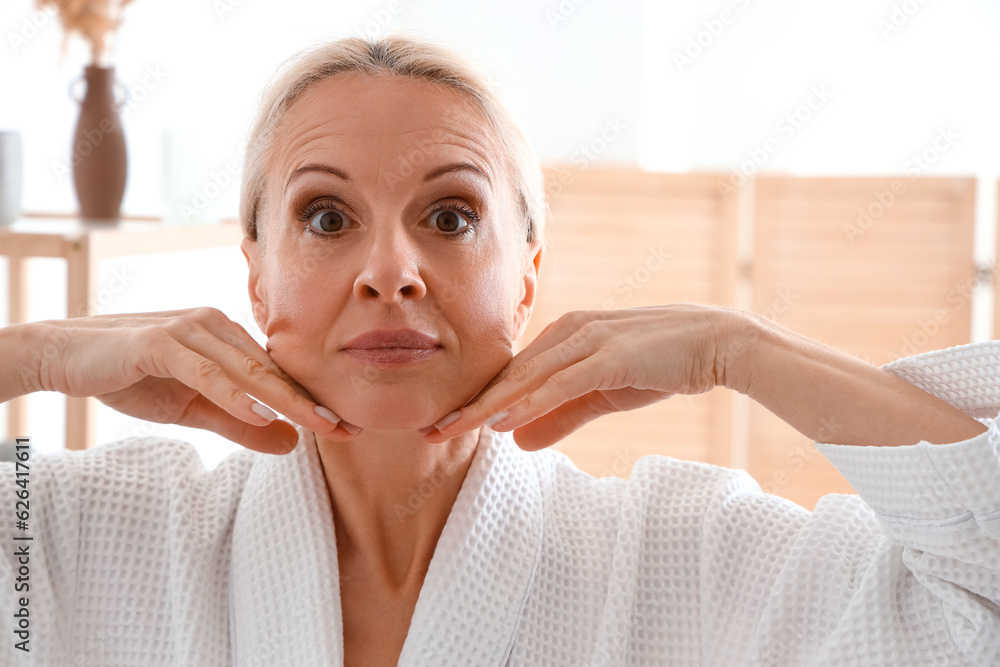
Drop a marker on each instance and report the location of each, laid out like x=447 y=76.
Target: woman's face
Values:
x=387 y=208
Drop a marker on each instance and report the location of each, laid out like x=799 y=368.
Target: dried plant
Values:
x=95 y=20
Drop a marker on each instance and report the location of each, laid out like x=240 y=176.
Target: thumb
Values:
x=278 y=437
x=556 y=424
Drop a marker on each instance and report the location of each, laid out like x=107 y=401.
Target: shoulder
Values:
x=652 y=475
x=152 y=462
x=659 y=488
x=135 y=476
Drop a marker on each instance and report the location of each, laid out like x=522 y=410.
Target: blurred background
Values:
x=832 y=166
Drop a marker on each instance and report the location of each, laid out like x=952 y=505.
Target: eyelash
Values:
x=315 y=207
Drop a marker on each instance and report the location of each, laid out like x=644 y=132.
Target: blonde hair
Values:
x=393 y=55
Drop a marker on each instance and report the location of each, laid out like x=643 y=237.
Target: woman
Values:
x=394 y=231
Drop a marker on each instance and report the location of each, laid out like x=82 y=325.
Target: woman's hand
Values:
x=193 y=367
x=591 y=363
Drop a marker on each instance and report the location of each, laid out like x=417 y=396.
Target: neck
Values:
x=391 y=494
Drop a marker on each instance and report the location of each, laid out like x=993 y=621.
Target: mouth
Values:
x=392 y=347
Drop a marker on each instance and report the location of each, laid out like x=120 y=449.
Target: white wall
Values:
x=566 y=67
x=890 y=87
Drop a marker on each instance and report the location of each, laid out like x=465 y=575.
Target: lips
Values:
x=378 y=339
x=392 y=348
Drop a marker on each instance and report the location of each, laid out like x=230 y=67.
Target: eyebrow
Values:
x=440 y=171
x=458 y=166
x=318 y=167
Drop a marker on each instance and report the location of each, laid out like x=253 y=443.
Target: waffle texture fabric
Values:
x=141 y=557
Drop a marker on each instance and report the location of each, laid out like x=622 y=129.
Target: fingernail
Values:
x=497 y=418
x=327 y=414
x=350 y=428
x=448 y=419
x=264 y=411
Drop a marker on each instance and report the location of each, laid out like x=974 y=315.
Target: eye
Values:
x=328 y=221
x=453 y=219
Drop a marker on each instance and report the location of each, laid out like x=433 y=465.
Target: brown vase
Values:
x=98 y=159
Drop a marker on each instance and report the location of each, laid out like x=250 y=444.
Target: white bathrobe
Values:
x=142 y=558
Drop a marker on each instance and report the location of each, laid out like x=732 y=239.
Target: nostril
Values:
x=372 y=291
x=406 y=290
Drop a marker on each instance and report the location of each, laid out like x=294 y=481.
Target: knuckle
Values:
x=560 y=381
x=251 y=367
x=233 y=333
x=208 y=314
x=157 y=337
x=182 y=323
x=573 y=319
x=205 y=369
x=522 y=372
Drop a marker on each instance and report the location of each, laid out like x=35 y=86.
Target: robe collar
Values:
x=285 y=587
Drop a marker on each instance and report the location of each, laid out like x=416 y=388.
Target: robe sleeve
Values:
x=905 y=573
x=38 y=575
x=117 y=534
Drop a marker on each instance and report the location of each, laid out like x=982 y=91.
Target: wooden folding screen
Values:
x=878 y=267
x=623 y=238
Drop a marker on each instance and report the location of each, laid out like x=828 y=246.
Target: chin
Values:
x=395 y=408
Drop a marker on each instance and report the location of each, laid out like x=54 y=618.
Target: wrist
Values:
x=738 y=355
x=20 y=352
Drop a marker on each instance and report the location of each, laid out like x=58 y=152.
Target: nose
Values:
x=391 y=269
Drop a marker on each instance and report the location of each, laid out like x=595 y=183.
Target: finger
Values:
x=278 y=437
x=232 y=333
x=571 y=383
x=253 y=375
x=228 y=331
x=171 y=359
x=523 y=378
x=559 y=332
x=552 y=427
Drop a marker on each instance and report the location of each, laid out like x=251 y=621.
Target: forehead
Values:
x=382 y=127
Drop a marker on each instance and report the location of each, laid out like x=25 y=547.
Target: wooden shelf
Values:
x=83 y=245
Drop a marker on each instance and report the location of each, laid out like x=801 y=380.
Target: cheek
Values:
x=299 y=317
x=484 y=319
